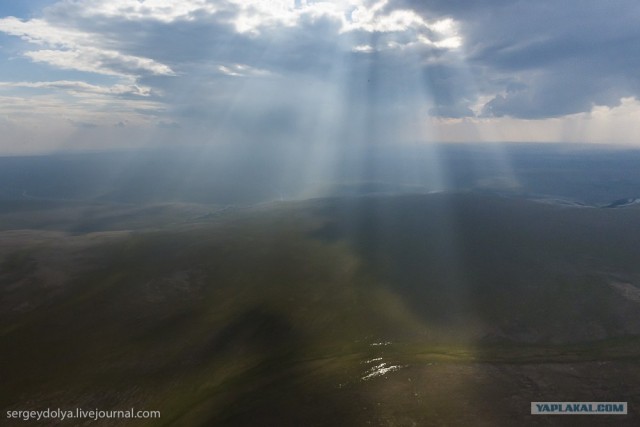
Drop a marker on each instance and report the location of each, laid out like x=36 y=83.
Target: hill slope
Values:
x=441 y=309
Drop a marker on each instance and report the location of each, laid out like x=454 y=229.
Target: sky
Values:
x=111 y=74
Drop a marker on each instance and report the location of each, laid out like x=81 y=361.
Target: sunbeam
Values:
x=319 y=213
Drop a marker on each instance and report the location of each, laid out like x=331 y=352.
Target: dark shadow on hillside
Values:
x=524 y=271
x=277 y=390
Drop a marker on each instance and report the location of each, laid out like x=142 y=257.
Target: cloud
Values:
x=565 y=57
x=78 y=50
x=80 y=87
x=183 y=52
x=86 y=107
x=160 y=10
x=242 y=70
x=99 y=61
x=357 y=69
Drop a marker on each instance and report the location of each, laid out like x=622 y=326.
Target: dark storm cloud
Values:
x=451 y=88
x=563 y=56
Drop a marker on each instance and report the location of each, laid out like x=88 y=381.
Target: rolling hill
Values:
x=453 y=308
